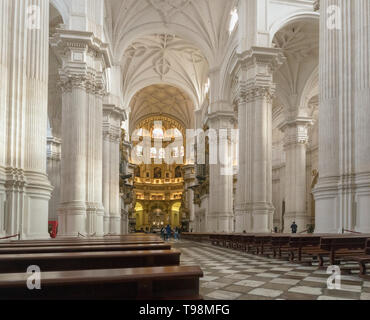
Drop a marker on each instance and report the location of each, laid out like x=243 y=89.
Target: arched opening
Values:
x=160 y=115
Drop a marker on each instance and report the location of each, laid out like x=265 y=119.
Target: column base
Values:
x=362 y=205
x=254 y=218
x=115 y=225
x=72 y=219
x=220 y=222
x=27 y=196
x=332 y=210
x=243 y=221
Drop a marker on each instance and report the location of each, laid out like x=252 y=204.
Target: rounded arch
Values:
x=227 y=71
x=62 y=8
x=310 y=90
x=297 y=16
x=144 y=83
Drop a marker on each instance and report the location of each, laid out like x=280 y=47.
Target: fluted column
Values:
x=53 y=170
x=254 y=209
x=335 y=193
x=189 y=178
x=24 y=101
x=362 y=117
x=4 y=33
x=84 y=59
x=220 y=215
x=112 y=119
x=295 y=144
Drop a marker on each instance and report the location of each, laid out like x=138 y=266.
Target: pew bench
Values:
x=14 y=263
x=78 y=243
x=84 y=248
x=154 y=283
x=339 y=246
x=361 y=259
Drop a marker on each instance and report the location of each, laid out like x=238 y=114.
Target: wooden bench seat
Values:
x=157 y=283
x=78 y=243
x=342 y=245
x=362 y=259
x=84 y=248
x=13 y=263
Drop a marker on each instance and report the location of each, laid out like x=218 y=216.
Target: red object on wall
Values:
x=53 y=228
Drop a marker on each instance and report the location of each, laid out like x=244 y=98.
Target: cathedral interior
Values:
x=216 y=118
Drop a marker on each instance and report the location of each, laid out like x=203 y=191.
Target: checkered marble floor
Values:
x=233 y=275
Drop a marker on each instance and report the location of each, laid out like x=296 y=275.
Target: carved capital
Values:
x=83 y=58
x=254 y=72
x=295 y=132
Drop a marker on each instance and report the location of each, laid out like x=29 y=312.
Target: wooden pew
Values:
x=344 y=245
x=84 y=248
x=361 y=259
x=79 y=243
x=280 y=243
x=163 y=283
x=300 y=245
x=88 y=260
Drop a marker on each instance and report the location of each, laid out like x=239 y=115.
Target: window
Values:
x=233 y=20
x=207 y=86
x=158 y=133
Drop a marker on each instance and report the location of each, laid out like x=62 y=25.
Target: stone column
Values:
x=189 y=179
x=334 y=193
x=295 y=144
x=53 y=169
x=254 y=209
x=112 y=120
x=4 y=34
x=24 y=108
x=84 y=59
x=220 y=215
x=362 y=117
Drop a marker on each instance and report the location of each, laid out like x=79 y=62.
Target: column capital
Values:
x=296 y=131
x=54 y=148
x=84 y=59
x=253 y=73
x=112 y=118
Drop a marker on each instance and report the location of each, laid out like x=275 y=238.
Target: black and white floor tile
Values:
x=233 y=275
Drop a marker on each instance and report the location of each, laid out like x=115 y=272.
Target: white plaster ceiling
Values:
x=196 y=34
x=297 y=79
x=167 y=59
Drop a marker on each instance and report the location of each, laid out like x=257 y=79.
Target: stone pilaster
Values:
x=295 y=145
x=220 y=214
x=189 y=179
x=112 y=120
x=335 y=191
x=53 y=169
x=23 y=99
x=254 y=72
x=4 y=34
x=362 y=114
x=84 y=59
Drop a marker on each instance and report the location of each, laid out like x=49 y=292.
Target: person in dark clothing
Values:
x=168 y=232
x=294 y=227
